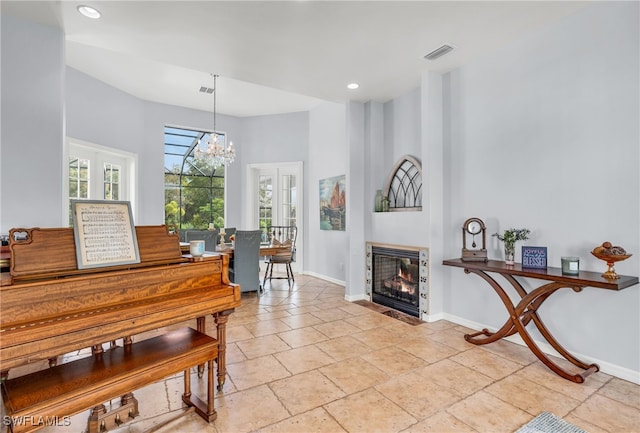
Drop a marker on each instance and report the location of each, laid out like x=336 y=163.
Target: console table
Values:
x=526 y=310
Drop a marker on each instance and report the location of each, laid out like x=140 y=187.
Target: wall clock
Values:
x=470 y=229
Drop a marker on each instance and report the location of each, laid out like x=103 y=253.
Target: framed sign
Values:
x=104 y=233
x=534 y=257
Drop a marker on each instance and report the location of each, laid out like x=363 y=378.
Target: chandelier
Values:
x=212 y=151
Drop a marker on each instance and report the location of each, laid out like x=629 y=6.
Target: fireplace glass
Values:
x=396 y=275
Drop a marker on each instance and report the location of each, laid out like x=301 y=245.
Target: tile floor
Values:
x=307 y=361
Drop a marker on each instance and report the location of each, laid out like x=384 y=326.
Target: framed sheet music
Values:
x=104 y=233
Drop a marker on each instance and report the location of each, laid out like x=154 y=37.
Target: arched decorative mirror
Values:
x=404 y=185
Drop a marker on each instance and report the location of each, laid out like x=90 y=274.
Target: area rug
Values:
x=390 y=312
x=547 y=422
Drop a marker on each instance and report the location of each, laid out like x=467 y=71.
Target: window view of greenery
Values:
x=78 y=181
x=111 y=181
x=193 y=189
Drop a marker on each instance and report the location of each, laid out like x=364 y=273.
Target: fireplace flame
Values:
x=407 y=287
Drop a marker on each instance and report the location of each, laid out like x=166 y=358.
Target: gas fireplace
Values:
x=397 y=277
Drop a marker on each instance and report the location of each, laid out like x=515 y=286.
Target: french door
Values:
x=276 y=199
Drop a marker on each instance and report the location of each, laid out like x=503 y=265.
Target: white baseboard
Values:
x=350 y=298
x=432 y=317
x=605 y=367
x=324 y=277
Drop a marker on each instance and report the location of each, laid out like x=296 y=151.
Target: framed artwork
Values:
x=104 y=233
x=333 y=203
x=534 y=257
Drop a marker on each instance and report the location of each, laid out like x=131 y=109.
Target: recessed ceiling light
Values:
x=353 y=86
x=89 y=12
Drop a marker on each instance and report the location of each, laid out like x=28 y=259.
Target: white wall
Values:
x=402 y=136
x=32 y=123
x=104 y=115
x=272 y=139
x=326 y=254
x=544 y=134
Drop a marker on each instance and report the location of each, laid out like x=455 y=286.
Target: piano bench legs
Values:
x=100 y=420
x=86 y=383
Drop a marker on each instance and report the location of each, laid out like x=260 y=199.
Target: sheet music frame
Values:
x=123 y=230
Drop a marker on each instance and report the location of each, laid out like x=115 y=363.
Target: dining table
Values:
x=265 y=249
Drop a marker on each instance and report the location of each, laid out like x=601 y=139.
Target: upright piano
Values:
x=126 y=314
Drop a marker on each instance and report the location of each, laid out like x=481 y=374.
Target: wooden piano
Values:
x=49 y=308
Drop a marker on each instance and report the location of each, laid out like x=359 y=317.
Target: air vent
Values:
x=204 y=89
x=438 y=52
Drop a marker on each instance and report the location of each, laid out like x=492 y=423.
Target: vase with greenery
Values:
x=510 y=237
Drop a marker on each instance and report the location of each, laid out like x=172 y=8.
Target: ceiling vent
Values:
x=204 y=89
x=438 y=52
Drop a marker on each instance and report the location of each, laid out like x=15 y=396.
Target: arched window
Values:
x=193 y=188
x=404 y=186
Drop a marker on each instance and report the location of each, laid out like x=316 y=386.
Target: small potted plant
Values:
x=510 y=237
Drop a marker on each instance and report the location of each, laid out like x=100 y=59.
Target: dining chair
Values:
x=246 y=260
x=281 y=236
x=208 y=236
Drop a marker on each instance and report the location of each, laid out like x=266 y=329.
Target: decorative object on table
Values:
x=610 y=254
x=222 y=235
x=232 y=238
x=570 y=265
x=333 y=203
x=534 y=257
x=472 y=227
x=378 y=201
x=510 y=237
x=196 y=248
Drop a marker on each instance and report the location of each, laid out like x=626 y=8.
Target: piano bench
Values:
x=51 y=394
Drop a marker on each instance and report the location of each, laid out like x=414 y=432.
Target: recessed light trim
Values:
x=89 y=12
x=353 y=86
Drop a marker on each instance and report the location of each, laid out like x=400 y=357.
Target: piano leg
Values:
x=200 y=327
x=221 y=319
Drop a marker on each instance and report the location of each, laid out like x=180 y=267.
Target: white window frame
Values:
x=98 y=155
x=251 y=206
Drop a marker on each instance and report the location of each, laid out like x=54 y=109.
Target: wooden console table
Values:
x=526 y=310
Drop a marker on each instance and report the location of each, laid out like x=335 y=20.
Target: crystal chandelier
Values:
x=213 y=152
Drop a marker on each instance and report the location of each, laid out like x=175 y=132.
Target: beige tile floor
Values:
x=307 y=361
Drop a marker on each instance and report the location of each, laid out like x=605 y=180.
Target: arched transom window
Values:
x=404 y=186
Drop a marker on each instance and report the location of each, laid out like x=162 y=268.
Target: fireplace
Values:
x=397 y=277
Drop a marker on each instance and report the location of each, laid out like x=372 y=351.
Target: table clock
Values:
x=471 y=228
